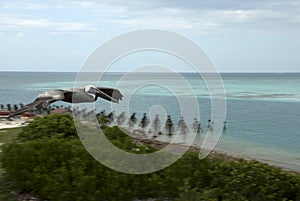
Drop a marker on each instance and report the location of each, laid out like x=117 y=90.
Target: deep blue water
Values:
x=263 y=110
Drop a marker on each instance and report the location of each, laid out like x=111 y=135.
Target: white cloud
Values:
x=202 y=17
x=239 y=16
x=14 y=23
x=35 y=6
x=31 y=23
x=20 y=35
x=166 y=22
x=8 y=5
x=70 y=26
x=157 y=17
x=83 y=3
x=236 y=24
x=207 y=21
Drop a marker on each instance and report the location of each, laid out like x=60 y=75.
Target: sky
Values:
x=238 y=35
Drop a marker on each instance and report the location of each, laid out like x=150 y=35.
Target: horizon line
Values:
x=29 y=71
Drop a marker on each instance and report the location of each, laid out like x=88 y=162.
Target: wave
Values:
x=251 y=95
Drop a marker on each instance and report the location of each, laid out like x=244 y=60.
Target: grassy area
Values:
x=6 y=136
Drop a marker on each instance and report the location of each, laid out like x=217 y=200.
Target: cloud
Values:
x=251 y=28
x=70 y=26
x=168 y=22
x=204 y=22
x=35 y=6
x=239 y=16
x=24 y=5
x=29 y=23
x=20 y=35
x=203 y=16
x=17 y=23
x=199 y=16
x=83 y=3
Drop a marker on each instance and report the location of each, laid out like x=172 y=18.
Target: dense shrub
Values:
x=58 y=168
x=53 y=125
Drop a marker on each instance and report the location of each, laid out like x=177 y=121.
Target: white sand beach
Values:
x=4 y=124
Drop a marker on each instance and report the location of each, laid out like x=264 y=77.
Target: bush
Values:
x=54 y=165
x=53 y=125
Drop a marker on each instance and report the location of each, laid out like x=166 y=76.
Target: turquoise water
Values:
x=262 y=109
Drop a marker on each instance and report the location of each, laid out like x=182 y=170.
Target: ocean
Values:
x=263 y=109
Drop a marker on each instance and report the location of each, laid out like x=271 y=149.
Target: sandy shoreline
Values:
x=159 y=144
x=7 y=125
x=213 y=153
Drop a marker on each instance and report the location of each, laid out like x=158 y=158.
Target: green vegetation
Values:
x=48 y=160
x=55 y=125
x=8 y=135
